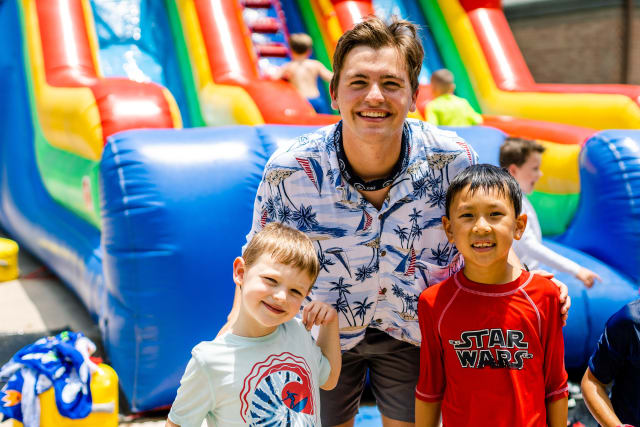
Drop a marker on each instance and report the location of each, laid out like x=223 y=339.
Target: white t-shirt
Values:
x=240 y=381
x=532 y=252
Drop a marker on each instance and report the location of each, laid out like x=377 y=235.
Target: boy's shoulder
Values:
x=438 y=291
x=542 y=285
x=208 y=350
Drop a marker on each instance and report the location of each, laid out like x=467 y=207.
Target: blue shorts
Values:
x=320 y=105
x=393 y=368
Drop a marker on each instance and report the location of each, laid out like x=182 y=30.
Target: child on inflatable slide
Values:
x=522 y=158
x=446 y=109
x=266 y=368
x=302 y=72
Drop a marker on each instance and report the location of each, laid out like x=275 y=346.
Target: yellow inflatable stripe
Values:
x=92 y=36
x=601 y=111
x=69 y=117
x=220 y=104
x=195 y=43
x=176 y=117
x=560 y=169
x=333 y=24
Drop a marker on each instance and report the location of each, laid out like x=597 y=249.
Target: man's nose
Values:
x=375 y=94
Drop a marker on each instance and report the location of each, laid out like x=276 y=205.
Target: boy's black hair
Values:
x=486 y=177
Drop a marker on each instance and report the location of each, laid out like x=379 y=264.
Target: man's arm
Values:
x=428 y=413
x=170 y=424
x=557 y=413
x=597 y=400
x=319 y=313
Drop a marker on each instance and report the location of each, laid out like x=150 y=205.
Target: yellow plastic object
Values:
x=8 y=260
x=104 y=391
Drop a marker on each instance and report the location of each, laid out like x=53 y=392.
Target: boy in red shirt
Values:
x=492 y=351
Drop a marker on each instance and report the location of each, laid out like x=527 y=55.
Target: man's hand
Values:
x=587 y=277
x=565 y=299
x=318 y=313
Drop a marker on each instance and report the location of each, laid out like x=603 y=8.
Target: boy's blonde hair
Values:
x=300 y=43
x=442 y=77
x=286 y=246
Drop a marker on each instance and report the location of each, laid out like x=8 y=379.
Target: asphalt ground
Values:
x=37 y=304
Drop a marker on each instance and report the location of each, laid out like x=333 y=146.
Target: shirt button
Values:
x=383 y=252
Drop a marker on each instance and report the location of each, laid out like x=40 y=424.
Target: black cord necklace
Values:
x=377 y=184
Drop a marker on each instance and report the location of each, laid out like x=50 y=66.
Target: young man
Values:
x=522 y=158
x=369 y=191
x=446 y=109
x=492 y=348
x=266 y=368
x=616 y=360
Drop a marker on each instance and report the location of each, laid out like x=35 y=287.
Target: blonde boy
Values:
x=266 y=367
x=492 y=351
x=446 y=109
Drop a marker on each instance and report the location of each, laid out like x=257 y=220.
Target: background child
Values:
x=492 y=351
x=302 y=72
x=616 y=360
x=267 y=366
x=445 y=108
x=522 y=158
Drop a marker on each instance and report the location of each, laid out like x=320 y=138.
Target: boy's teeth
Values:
x=373 y=114
x=482 y=245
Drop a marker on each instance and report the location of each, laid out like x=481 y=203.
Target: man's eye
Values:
x=392 y=84
x=497 y=213
x=466 y=215
x=296 y=292
x=358 y=83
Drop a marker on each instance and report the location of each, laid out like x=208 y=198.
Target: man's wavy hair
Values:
x=375 y=33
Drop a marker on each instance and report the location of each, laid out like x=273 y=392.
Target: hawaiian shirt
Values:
x=374 y=263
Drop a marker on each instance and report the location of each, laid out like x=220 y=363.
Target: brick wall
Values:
x=583 y=45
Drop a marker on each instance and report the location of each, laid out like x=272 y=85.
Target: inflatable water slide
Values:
x=142 y=219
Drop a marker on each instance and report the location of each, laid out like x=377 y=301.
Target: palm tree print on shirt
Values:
x=409 y=303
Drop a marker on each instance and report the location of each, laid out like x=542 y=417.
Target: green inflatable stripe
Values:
x=319 y=48
x=448 y=50
x=185 y=65
x=555 y=211
x=309 y=18
x=61 y=171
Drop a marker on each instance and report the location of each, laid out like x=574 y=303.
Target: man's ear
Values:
x=334 y=99
x=513 y=169
x=521 y=224
x=238 y=271
x=446 y=224
x=414 y=99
